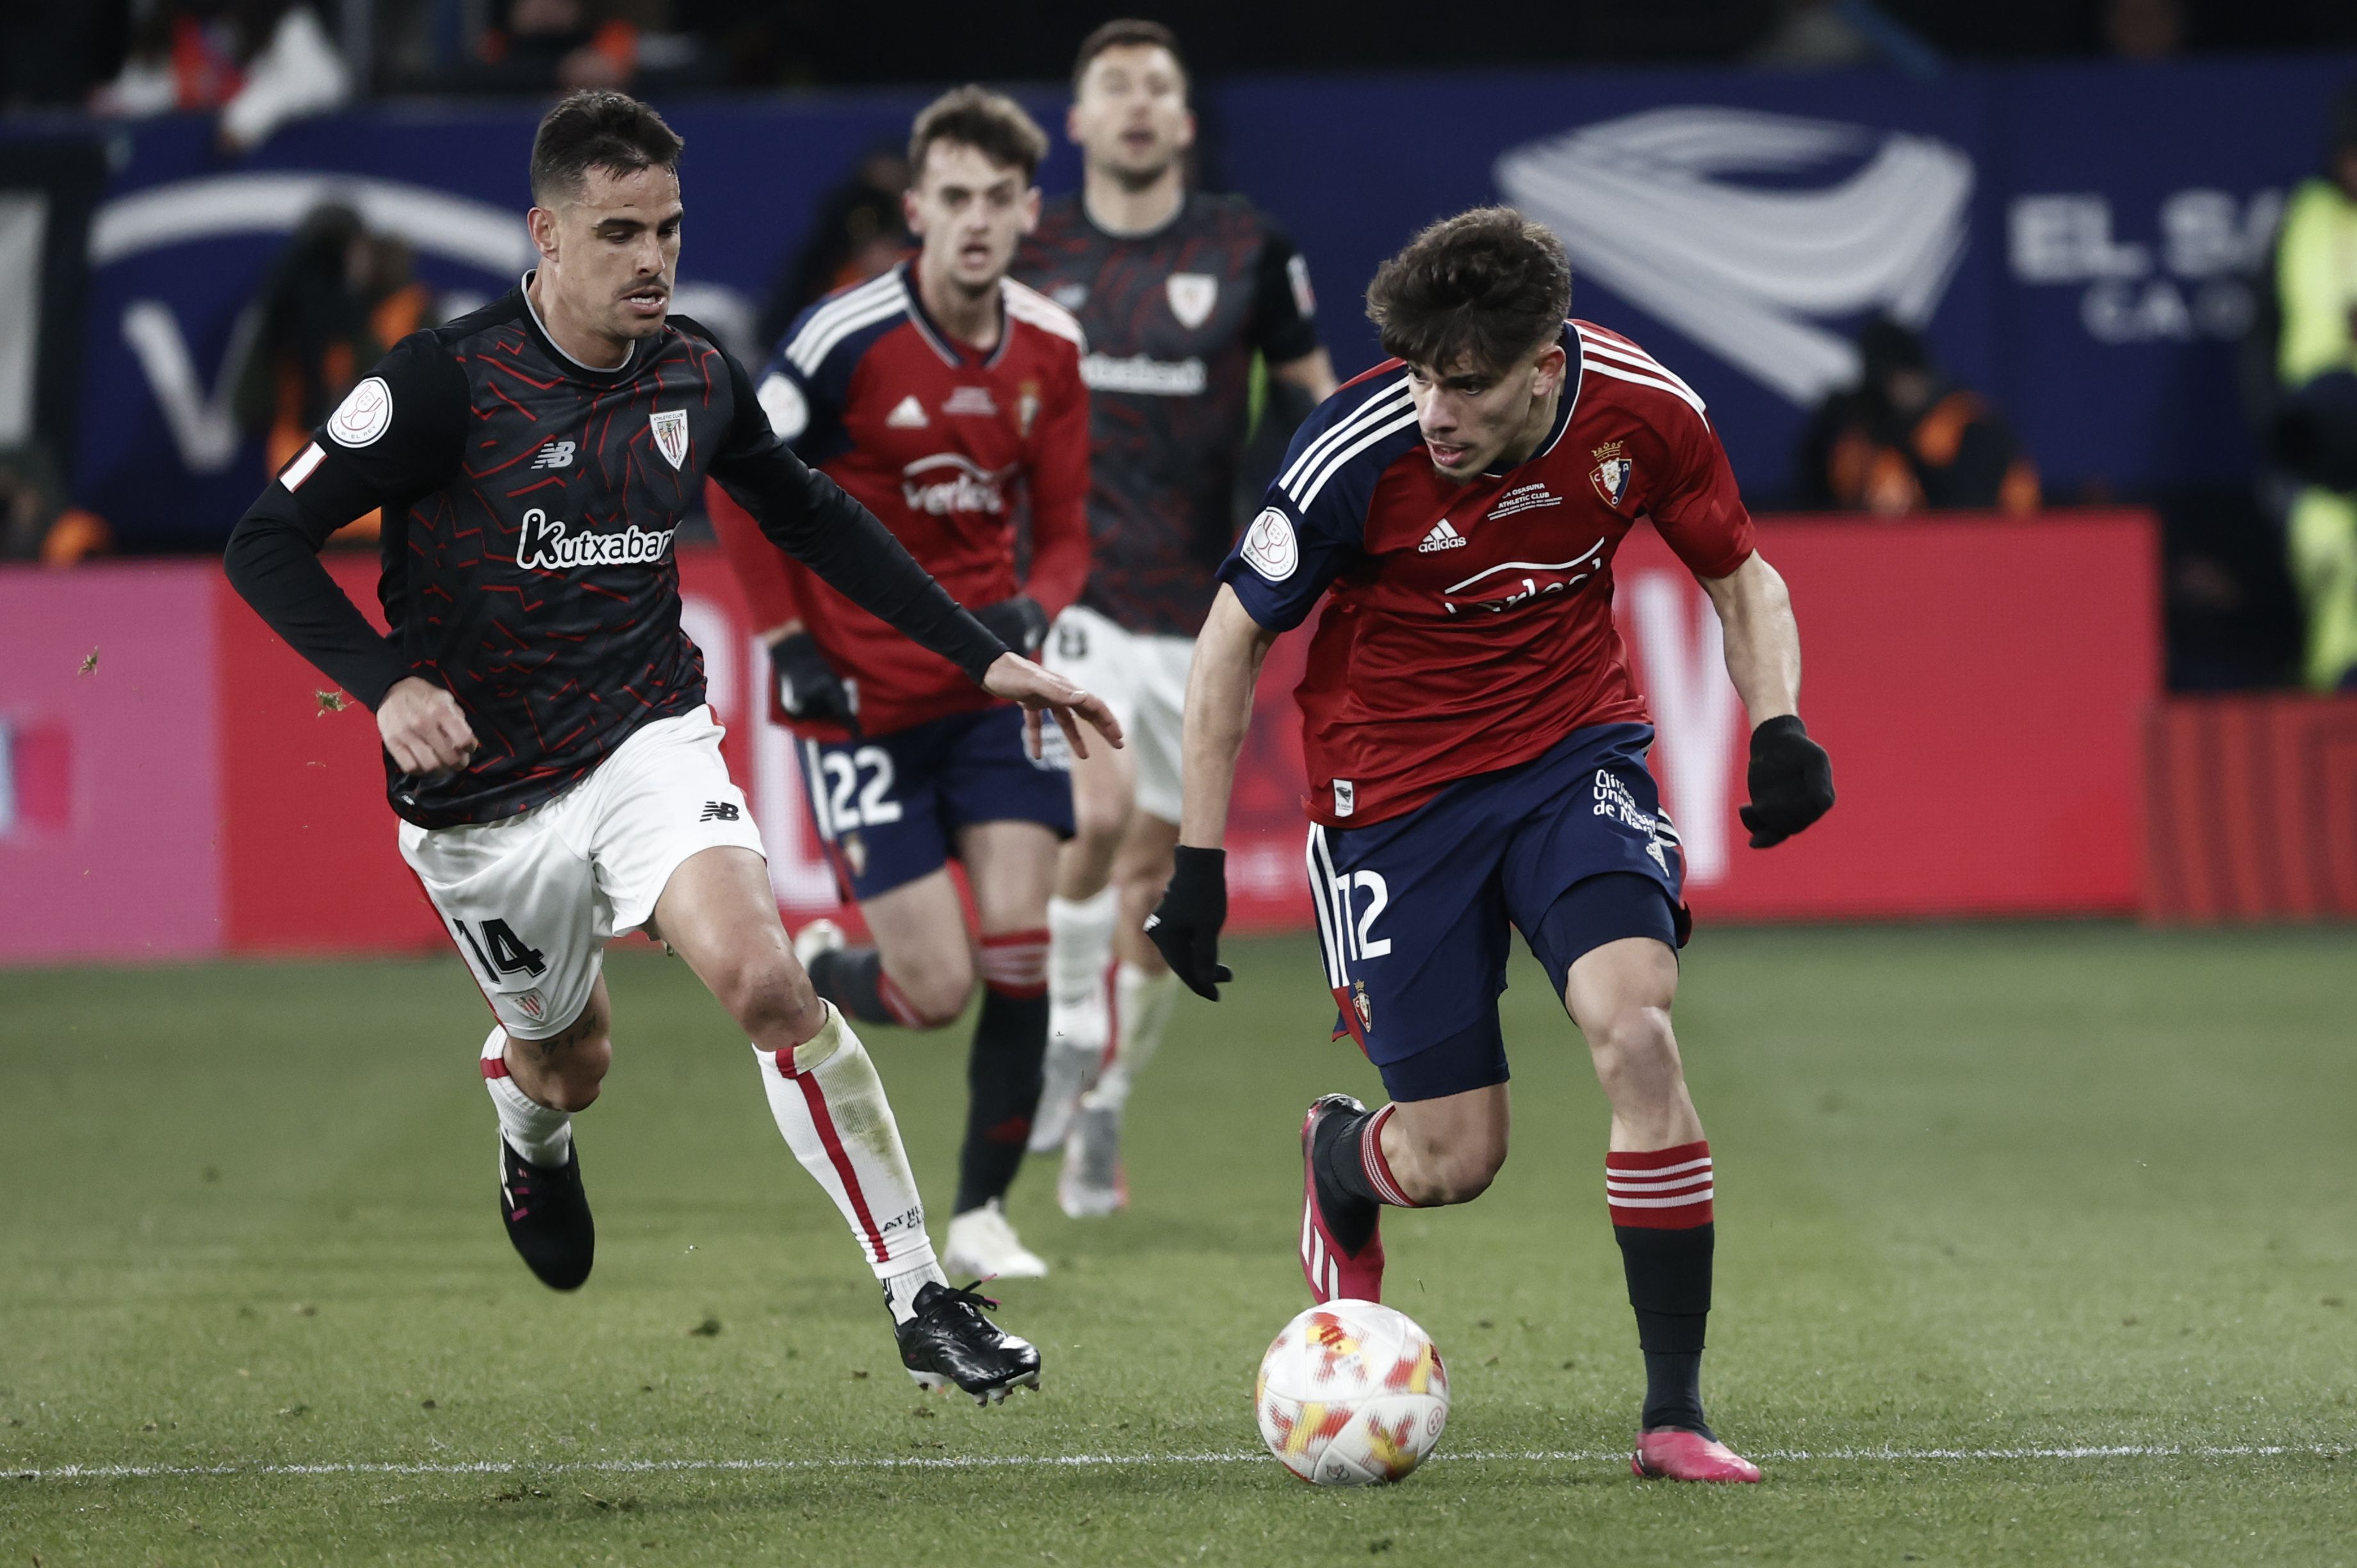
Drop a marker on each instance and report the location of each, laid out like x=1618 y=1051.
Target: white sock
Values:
x=1080 y=945
x=831 y=1107
x=541 y=1134
x=1143 y=1001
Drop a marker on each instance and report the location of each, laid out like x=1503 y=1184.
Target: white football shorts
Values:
x=1142 y=677
x=533 y=899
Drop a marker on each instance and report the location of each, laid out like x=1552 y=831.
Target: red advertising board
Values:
x=1982 y=685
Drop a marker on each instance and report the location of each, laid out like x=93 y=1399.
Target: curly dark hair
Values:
x=597 y=128
x=1489 y=286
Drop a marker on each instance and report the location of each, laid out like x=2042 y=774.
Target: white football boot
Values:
x=1077 y=1035
x=983 y=1246
x=1092 y=1183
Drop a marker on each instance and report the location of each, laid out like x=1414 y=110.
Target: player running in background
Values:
x=1476 y=752
x=1179 y=291
x=938 y=394
x=549 y=751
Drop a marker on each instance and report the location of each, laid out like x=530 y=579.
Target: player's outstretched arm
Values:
x=1185 y=925
x=1791 y=778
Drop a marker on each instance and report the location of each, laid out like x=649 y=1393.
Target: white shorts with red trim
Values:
x=533 y=899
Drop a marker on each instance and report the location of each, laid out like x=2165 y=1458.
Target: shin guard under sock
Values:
x=1662 y=1216
x=830 y=1105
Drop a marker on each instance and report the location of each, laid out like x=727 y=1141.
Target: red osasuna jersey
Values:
x=944 y=444
x=1471 y=627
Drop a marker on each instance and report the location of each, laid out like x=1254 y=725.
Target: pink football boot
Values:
x=1672 y=1454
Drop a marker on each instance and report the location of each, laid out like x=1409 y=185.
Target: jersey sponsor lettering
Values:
x=546 y=544
x=950 y=482
x=1145 y=377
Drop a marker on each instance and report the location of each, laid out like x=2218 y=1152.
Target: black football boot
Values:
x=547 y=1217
x=950 y=1341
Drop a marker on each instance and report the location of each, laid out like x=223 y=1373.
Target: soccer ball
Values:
x=1352 y=1394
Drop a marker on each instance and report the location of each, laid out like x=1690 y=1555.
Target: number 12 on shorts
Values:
x=498 y=950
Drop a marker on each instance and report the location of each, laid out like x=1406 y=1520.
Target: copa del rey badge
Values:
x=1192 y=294
x=670 y=425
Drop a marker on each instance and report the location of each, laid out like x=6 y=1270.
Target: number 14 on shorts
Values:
x=498 y=950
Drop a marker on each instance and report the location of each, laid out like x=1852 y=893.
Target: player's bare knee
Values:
x=573 y=1085
x=1636 y=1053
x=772 y=1000
x=1440 y=1173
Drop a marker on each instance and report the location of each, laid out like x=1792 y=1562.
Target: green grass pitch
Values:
x=1986 y=1195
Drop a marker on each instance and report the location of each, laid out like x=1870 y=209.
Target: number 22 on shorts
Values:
x=852 y=802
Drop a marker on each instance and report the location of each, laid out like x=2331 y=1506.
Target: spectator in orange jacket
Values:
x=1907 y=439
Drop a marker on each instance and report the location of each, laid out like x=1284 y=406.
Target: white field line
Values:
x=1126 y=1461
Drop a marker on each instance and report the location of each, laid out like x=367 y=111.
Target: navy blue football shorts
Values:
x=888 y=807
x=1571 y=848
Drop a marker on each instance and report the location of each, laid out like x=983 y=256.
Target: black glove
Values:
x=807 y=687
x=1791 y=781
x=1018 y=622
x=1186 y=924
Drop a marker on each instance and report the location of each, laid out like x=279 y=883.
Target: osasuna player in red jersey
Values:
x=1180 y=292
x=549 y=751
x=1476 y=752
x=942 y=395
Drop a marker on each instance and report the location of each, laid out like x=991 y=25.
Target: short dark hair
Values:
x=990 y=122
x=1127 y=33
x=597 y=128
x=1489 y=284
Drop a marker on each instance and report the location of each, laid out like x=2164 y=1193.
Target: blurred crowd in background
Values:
x=274 y=56
x=2261 y=577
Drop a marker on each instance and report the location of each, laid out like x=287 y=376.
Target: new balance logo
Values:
x=1444 y=536
x=556 y=455
x=719 y=812
x=908 y=414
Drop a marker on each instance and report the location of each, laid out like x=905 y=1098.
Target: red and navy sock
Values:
x=1354 y=1180
x=1661 y=1203
x=1002 y=1071
x=854 y=979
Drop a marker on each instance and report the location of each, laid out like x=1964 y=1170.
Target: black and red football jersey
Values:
x=1174 y=318
x=1471 y=622
x=530 y=503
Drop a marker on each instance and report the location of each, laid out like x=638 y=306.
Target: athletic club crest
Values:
x=1192 y=294
x=529 y=1004
x=670 y=425
x=1610 y=476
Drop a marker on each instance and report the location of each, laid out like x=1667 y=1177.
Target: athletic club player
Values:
x=942 y=394
x=1180 y=293
x=549 y=751
x=1477 y=758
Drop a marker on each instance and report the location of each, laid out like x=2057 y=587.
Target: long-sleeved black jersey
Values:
x=529 y=505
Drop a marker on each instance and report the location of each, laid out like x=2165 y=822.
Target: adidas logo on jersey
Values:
x=908 y=414
x=1444 y=536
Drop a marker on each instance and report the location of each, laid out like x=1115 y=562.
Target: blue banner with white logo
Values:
x=2079 y=243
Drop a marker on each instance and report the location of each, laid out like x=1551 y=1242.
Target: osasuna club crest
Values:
x=1611 y=475
x=1192 y=294
x=670 y=425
